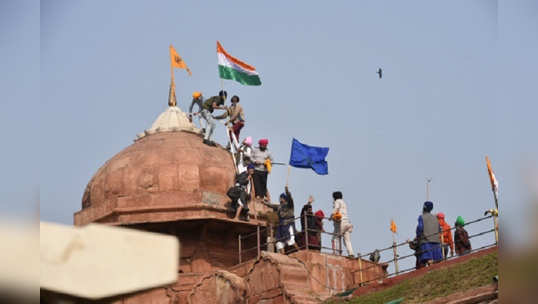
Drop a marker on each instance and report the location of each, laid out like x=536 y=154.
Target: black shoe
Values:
x=205 y=141
x=212 y=143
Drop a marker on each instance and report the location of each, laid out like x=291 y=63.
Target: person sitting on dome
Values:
x=208 y=106
x=197 y=99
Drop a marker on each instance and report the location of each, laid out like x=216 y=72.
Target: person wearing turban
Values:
x=241 y=194
x=198 y=100
x=461 y=237
x=285 y=232
x=342 y=224
x=429 y=236
x=260 y=155
x=446 y=236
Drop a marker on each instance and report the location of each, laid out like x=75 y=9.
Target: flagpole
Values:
x=495 y=212
x=171 y=99
x=428 y=181
x=288 y=177
x=221 y=81
x=396 y=268
x=496 y=217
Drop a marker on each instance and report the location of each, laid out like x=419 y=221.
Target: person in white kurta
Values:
x=344 y=226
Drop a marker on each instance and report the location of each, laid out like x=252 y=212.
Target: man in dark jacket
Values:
x=285 y=233
x=461 y=237
x=209 y=105
x=429 y=236
x=308 y=214
x=240 y=193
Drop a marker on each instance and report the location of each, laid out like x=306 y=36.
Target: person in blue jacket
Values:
x=429 y=236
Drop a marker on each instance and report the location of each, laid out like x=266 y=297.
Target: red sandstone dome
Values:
x=164 y=176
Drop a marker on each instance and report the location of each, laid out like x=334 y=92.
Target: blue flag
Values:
x=305 y=156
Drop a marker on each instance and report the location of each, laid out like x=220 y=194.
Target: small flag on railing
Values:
x=393 y=227
x=493 y=180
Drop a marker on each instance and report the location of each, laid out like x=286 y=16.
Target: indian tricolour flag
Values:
x=235 y=69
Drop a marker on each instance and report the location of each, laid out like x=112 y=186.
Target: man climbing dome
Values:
x=197 y=99
x=240 y=194
x=285 y=233
x=236 y=118
x=244 y=154
x=342 y=224
x=208 y=106
x=260 y=155
x=446 y=236
x=428 y=235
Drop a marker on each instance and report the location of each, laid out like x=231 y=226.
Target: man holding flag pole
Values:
x=235 y=69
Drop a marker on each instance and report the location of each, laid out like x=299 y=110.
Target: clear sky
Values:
x=459 y=83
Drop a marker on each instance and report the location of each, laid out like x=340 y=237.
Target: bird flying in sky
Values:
x=380 y=73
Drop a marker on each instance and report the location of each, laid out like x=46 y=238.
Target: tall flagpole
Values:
x=494 y=189
x=393 y=229
x=172 y=95
x=428 y=181
x=288 y=177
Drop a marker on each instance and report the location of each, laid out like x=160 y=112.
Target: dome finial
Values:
x=172 y=101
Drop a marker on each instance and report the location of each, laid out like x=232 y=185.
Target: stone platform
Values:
x=301 y=277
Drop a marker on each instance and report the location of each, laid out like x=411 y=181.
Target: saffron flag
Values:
x=393 y=227
x=235 y=69
x=177 y=62
x=305 y=156
x=493 y=180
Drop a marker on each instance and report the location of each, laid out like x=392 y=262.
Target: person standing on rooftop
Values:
x=429 y=236
x=446 y=236
x=260 y=155
x=461 y=237
x=343 y=226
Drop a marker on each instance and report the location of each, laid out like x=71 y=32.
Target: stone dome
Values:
x=162 y=176
x=173 y=119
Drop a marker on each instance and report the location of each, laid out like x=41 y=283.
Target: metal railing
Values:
x=305 y=245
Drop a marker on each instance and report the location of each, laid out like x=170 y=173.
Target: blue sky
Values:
x=459 y=83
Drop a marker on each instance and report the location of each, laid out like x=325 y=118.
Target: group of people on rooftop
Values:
x=434 y=238
x=205 y=112
x=311 y=224
x=433 y=235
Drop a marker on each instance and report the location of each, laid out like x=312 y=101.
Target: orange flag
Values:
x=492 y=179
x=393 y=226
x=177 y=62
